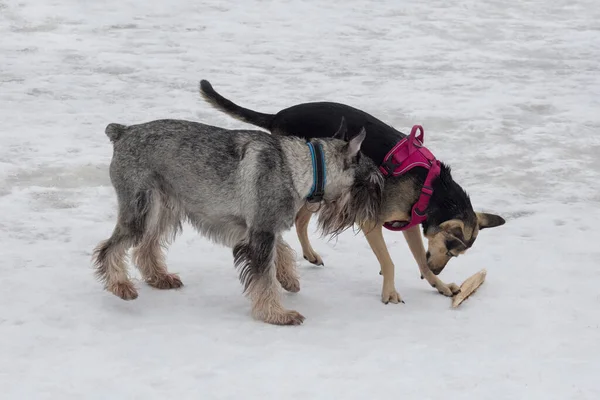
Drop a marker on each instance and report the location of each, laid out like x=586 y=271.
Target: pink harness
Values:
x=404 y=156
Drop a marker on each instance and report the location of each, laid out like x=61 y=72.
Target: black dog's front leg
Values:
x=415 y=244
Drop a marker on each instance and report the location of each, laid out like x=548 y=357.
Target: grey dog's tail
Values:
x=228 y=107
x=114 y=131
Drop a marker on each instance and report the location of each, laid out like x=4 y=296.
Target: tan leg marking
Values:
x=266 y=304
x=148 y=256
x=111 y=268
x=374 y=236
x=415 y=244
x=285 y=265
x=302 y=220
x=150 y=260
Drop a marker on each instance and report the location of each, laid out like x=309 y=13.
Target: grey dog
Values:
x=239 y=188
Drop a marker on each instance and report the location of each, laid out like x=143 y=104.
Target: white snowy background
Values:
x=509 y=95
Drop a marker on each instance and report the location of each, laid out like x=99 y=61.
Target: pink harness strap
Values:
x=404 y=156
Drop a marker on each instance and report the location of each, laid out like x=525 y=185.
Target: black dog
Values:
x=450 y=225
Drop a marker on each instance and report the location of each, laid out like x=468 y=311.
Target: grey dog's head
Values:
x=354 y=195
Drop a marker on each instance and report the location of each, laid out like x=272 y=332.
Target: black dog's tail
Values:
x=228 y=107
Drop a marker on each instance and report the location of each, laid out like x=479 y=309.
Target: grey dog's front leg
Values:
x=255 y=259
x=415 y=244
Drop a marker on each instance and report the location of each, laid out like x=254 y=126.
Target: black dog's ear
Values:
x=486 y=220
x=342 y=132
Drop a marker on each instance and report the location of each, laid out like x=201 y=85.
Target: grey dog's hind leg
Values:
x=110 y=259
x=162 y=225
x=110 y=256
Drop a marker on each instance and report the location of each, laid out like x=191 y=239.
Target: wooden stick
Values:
x=469 y=287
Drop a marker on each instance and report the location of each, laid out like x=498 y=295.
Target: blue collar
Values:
x=319 y=174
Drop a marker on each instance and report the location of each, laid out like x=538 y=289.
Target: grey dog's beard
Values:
x=335 y=217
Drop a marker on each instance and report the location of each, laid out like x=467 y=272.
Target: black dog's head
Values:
x=452 y=225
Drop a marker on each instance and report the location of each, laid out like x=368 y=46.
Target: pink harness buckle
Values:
x=404 y=156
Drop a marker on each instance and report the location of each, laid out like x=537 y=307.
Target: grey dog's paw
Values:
x=166 y=281
x=124 y=290
x=290 y=284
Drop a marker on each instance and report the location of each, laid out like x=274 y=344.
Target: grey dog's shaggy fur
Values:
x=239 y=188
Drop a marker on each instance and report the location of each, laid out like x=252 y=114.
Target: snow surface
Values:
x=508 y=93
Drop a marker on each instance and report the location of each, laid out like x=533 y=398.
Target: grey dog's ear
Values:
x=342 y=132
x=353 y=146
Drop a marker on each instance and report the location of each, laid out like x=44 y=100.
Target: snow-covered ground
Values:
x=509 y=94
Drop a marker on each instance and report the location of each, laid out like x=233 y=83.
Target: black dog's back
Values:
x=318 y=119
x=322 y=119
